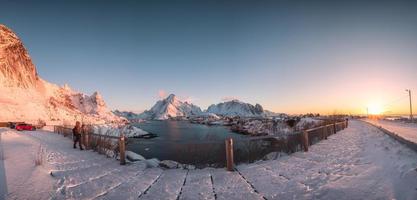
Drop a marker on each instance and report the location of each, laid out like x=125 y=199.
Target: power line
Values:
x=394 y=101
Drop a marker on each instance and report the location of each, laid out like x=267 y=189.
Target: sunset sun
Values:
x=375 y=109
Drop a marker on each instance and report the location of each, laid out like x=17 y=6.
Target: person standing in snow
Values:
x=76 y=131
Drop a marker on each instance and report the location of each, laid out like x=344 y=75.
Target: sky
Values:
x=289 y=56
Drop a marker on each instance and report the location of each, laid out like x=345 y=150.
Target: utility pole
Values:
x=411 y=106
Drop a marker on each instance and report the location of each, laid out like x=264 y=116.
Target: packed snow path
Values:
x=20 y=178
x=407 y=131
x=359 y=162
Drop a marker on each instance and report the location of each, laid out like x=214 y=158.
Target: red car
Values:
x=25 y=127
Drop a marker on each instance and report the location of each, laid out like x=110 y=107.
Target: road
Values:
x=407 y=131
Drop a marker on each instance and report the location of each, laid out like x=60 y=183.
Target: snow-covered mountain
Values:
x=24 y=96
x=236 y=108
x=171 y=107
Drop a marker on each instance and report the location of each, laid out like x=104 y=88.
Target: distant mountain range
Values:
x=172 y=107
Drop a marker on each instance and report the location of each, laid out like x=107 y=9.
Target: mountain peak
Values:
x=171 y=107
x=7 y=36
x=16 y=67
x=171 y=98
x=236 y=108
x=47 y=101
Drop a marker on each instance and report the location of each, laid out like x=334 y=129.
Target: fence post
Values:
x=122 y=150
x=324 y=129
x=99 y=144
x=305 y=140
x=334 y=127
x=347 y=123
x=329 y=129
x=229 y=154
x=86 y=139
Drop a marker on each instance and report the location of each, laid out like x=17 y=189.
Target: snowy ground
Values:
x=19 y=177
x=359 y=162
x=406 y=130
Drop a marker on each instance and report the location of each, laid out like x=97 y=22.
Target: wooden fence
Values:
x=299 y=141
x=254 y=147
x=103 y=144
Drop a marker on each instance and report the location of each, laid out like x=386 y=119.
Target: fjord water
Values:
x=184 y=142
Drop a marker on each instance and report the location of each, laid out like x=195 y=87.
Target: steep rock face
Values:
x=24 y=96
x=171 y=107
x=236 y=108
x=16 y=67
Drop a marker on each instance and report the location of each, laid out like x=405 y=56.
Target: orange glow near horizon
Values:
x=375 y=109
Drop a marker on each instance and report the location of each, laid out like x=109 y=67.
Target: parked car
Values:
x=12 y=125
x=25 y=127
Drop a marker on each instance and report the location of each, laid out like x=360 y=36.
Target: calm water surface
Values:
x=203 y=145
x=185 y=142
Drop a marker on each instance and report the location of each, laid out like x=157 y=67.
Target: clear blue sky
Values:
x=289 y=56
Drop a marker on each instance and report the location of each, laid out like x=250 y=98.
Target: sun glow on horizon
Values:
x=375 y=109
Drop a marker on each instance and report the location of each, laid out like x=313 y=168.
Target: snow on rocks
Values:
x=169 y=164
x=274 y=155
x=116 y=130
x=153 y=162
x=132 y=156
x=308 y=122
x=276 y=127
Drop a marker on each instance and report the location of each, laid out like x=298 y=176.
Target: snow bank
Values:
x=132 y=156
x=308 y=122
x=116 y=130
x=152 y=163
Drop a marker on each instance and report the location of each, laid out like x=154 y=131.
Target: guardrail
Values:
x=103 y=144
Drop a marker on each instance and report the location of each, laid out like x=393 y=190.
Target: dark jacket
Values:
x=76 y=131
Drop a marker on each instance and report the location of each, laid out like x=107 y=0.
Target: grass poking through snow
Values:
x=40 y=156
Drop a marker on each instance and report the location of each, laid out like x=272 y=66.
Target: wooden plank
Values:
x=135 y=186
x=198 y=185
x=231 y=185
x=100 y=185
x=168 y=185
